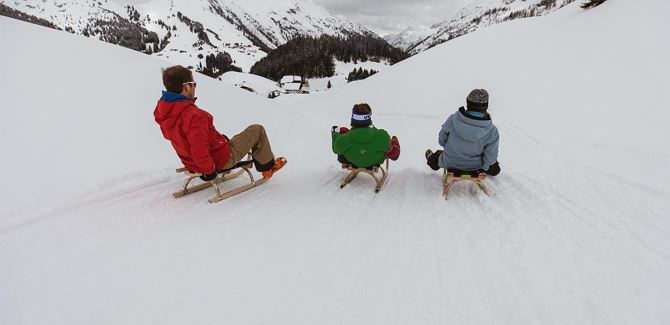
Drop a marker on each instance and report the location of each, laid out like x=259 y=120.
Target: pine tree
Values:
x=314 y=57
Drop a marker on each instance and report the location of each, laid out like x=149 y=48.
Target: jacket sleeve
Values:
x=197 y=136
x=385 y=139
x=444 y=132
x=490 y=155
x=334 y=137
x=342 y=144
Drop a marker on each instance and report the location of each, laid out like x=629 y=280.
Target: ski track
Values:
x=443 y=260
x=440 y=255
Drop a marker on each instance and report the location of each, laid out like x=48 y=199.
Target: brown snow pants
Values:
x=253 y=139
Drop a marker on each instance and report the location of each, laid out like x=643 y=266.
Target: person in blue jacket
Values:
x=469 y=139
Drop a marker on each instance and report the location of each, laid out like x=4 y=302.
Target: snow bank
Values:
x=260 y=85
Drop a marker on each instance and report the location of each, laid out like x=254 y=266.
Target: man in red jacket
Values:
x=199 y=145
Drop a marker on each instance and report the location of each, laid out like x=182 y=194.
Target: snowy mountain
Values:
x=476 y=15
x=410 y=36
x=576 y=230
x=187 y=31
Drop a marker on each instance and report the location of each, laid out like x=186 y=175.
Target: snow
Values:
x=230 y=25
x=473 y=16
x=264 y=86
x=410 y=36
x=289 y=79
x=342 y=70
x=261 y=85
x=71 y=13
x=576 y=231
x=292 y=86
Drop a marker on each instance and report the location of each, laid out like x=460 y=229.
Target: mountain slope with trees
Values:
x=311 y=57
x=187 y=31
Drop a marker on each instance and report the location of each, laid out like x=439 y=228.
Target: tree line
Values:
x=360 y=74
x=592 y=3
x=216 y=65
x=313 y=57
x=12 y=13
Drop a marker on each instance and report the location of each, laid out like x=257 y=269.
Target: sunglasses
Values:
x=195 y=84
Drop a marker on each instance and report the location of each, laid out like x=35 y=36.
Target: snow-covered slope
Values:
x=75 y=14
x=260 y=86
x=342 y=70
x=189 y=30
x=409 y=37
x=476 y=15
x=245 y=29
x=576 y=231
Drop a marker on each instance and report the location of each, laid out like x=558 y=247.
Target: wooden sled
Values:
x=246 y=168
x=372 y=171
x=449 y=178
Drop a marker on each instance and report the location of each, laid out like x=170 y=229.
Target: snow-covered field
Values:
x=342 y=70
x=263 y=86
x=577 y=230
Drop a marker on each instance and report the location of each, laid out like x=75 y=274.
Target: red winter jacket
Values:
x=191 y=131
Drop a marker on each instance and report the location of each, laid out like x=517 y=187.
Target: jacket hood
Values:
x=469 y=128
x=363 y=135
x=170 y=107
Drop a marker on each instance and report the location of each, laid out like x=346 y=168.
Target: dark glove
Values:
x=208 y=177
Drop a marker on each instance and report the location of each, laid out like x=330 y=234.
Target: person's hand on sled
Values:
x=340 y=130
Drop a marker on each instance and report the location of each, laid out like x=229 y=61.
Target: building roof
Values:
x=288 y=79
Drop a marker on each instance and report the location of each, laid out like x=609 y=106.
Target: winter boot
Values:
x=432 y=159
x=279 y=163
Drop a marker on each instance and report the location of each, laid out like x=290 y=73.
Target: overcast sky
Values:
x=386 y=16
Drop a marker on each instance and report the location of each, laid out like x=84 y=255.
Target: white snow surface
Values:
x=577 y=229
x=342 y=70
x=410 y=36
x=260 y=85
x=263 y=86
x=475 y=15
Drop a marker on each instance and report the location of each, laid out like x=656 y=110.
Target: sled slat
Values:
x=236 y=191
x=353 y=172
x=207 y=185
x=449 y=179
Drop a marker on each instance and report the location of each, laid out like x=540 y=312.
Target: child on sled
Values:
x=469 y=139
x=363 y=146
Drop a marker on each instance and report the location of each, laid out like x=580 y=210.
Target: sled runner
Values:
x=243 y=167
x=449 y=178
x=373 y=171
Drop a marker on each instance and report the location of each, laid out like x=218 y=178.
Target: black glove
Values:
x=208 y=177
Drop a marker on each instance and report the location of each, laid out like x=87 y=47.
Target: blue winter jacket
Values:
x=470 y=141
